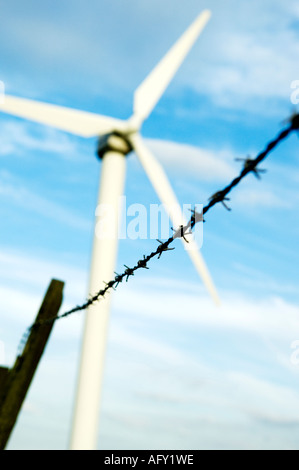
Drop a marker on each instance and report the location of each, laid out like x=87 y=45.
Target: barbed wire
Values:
x=249 y=166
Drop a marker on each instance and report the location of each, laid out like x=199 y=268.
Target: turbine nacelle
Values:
x=119 y=140
x=114 y=142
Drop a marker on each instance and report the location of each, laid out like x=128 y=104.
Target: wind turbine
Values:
x=117 y=139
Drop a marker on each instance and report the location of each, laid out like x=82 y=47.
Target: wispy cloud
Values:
x=17 y=137
x=165 y=381
x=261 y=198
x=190 y=160
x=24 y=279
x=244 y=59
x=15 y=192
x=254 y=56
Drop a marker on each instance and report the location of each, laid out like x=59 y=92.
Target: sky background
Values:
x=180 y=373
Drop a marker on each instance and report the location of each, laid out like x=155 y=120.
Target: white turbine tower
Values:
x=117 y=139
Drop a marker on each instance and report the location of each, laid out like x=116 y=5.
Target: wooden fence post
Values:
x=16 y=381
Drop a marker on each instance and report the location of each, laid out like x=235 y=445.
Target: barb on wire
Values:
x=295 y=121
x=220 y=197
x=142 y=263
x=182 y=232
x=110 y=284
x=250 y=165
x=163 y=247
x=196 y=217
x=118 y=279
x=128 y=272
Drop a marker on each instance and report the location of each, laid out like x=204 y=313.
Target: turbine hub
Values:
x=113 y=142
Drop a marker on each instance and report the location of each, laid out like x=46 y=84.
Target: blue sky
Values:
x=180 y=373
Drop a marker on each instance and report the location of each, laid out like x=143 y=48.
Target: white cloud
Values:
x=202 y=163
x=23 y=283
x=252 y=70
x=246 y=57
x=164 y=381
x=174 y=301
x=17 y=193
x=261 y=198
x=190 y=400
x=255 y=278
x=180 y=302
x=15 y=137
x=126 y=339
x=267 y=401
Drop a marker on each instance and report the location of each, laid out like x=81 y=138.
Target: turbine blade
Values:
x=77 y=122
x=166 y=194
x=151 y=89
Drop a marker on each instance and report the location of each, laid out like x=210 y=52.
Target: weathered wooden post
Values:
x=15 y=382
